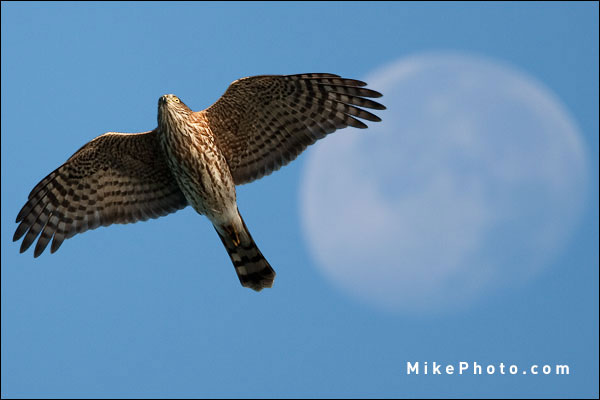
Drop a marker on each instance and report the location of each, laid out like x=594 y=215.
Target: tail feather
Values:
x=253 y=270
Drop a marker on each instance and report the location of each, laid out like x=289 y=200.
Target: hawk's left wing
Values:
x=263 y=122
x=116 y=178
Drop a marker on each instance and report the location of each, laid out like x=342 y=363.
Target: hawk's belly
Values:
x=202 y=173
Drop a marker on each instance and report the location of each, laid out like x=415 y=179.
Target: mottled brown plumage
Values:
x=195 y=158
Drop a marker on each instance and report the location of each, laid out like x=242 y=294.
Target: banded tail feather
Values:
x=253 y=270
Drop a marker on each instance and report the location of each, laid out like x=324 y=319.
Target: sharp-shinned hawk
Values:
x=195 y=158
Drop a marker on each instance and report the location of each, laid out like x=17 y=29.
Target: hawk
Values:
x=259 y=124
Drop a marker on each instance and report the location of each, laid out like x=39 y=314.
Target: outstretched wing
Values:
x=116 y=178
x=263 y=122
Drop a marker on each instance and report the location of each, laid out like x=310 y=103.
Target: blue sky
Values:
x=154 y=309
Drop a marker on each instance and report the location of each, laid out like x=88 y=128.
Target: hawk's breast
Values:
x=199 y=167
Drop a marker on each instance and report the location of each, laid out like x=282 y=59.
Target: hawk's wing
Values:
x=263 y=122
x=115 y=178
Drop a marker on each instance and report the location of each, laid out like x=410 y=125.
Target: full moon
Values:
x=472 y=183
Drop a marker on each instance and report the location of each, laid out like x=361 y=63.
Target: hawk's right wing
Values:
x=115 y=178
x=263 y=122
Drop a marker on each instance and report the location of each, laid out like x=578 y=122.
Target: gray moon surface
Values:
x=473 y=183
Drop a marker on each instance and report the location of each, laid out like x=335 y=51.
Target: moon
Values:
x=472 y=184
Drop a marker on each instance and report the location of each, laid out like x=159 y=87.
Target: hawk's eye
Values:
x=176 y=100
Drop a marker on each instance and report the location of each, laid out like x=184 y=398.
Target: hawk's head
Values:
x=171 y=106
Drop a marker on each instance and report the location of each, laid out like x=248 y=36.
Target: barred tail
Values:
x=251 y=266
